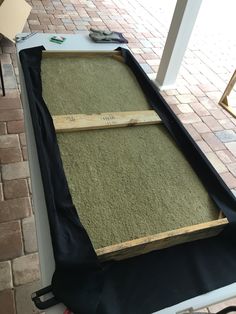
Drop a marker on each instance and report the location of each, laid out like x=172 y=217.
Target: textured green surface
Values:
x=131 y=182
x=80 y=85
x=125 y=183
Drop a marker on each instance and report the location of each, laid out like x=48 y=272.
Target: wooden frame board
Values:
x=224 y=99
x=80 y=122
x=83 y=54
x=162 y=240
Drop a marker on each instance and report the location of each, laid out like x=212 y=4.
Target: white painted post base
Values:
x=181 y=27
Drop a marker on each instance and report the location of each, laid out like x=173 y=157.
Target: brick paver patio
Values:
x=207 y=67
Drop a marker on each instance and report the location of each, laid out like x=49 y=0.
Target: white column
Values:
x=181 y=27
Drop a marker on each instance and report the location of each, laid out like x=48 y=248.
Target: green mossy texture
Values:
x=131 y=182
x=93 y=85
x=126 y=183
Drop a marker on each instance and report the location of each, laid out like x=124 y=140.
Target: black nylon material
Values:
x=146 y=283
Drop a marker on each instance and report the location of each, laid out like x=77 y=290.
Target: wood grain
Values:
x=160 y=241
x=224 y=100
x=81 y=54
x=228 y=108
x=80 y=122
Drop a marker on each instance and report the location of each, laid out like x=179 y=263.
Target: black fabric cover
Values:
x=146 y=283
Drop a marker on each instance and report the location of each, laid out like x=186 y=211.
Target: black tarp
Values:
x=146 y=283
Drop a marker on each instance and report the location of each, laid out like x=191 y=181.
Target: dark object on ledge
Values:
x=103 y=36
